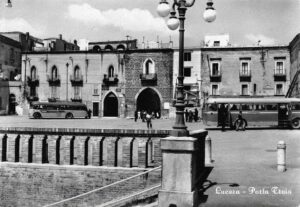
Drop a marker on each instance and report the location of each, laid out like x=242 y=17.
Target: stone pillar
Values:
x=111 y=147
x=52 y=148
x=126 y=142
x=281 y=156
x=95 y=146
x=119 y=145
x=24 y=139
x=38 y=148
x=142 y=157
x=183 y=165
x=11 y=147
x=79 y=149
x=65 y=150
x=157 y=152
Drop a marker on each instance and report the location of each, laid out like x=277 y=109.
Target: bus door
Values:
x=283 y=115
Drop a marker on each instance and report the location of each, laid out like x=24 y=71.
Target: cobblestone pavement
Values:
x=244 y=168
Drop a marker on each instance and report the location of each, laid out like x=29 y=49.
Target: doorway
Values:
x=111 y=105
x=95 y=108
x=12 y=104
x=149 y=101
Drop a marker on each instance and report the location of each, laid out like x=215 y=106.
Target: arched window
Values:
x=111 y=71
x=108 y=48
x=97 y=48
x=33 y=73
x=148 y=67
x=76 y=72
x=120 y=47
x=54 y=72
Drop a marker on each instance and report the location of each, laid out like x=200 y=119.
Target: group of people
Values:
x=224 y=116
x=146 y=116
x=191 y=115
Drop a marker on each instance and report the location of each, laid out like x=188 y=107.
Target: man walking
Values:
x=148 y=119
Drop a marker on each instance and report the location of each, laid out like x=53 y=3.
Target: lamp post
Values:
x=163 y=9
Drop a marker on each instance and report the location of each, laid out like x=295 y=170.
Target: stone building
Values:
x=10 y=70
x=97 y=78
x=245 y=71
x=294 y=47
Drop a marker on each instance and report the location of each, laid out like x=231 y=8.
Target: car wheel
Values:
x=69 y=116
x=37 y=115
x=296 y=123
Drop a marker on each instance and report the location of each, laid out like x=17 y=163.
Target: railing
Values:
x=33 y=81
x=76 y=80
x=53 y=81
x=105 y=196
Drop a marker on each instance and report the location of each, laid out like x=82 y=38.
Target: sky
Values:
x=273 y=22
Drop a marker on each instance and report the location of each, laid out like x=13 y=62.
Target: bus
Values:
x=67 y=110
x=266 y=111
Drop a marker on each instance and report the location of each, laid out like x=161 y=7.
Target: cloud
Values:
x=19 y=24
x=131 y=20
x=264 y=40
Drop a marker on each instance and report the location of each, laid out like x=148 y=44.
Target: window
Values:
x=187 y=56
x=33 y=73
x=245 y=70
x=111 y=71
x=54 y=73
x=187 y=72
x=215 y=70
x=254 y=89
x=77 y=72
x=279 y=68
x=244 y=90
x=216 y=43
x=53 y=92
x=96 y=89
x=279 y=90
x=215 y=90
x=148 y=67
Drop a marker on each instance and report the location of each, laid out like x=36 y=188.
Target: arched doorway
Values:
x=12 y=104
x=148 y=100
x=110 y=105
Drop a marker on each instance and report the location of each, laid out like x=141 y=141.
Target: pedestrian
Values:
x=196 y=115
x=190 y=116
x=241 y=123
x=186 y=113
x=135 y=115
x=222 y=116
x=89 y=112
x=139 y=114
x=148 y=119
x=144 y=113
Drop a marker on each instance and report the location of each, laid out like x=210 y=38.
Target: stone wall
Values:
x=295 y=64
x=38 y=185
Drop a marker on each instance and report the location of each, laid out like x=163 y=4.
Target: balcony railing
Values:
x=245 y=76
x=279 y=76
x=76 y=80
x=33 y=81
x=216 y=77
x=32 y=98
x=110 y=80
x=76 y=99
x=148 y=79
x=53 y=81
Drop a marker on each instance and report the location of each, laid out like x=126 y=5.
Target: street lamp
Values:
x=163 y=9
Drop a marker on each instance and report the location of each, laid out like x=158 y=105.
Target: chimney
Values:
x=60 y=36
x=75 y=42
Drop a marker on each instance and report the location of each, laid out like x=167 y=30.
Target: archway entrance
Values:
x=149 y=101
x=12 y=104
x=110 y=105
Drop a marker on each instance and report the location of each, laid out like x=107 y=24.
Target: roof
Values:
x=59 y=103
x=113 y=42
x=265 y=100
x=9 y=41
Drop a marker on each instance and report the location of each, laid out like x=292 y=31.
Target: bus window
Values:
x=51 y=107
x=246 y=107
x=296 y=107
x=271 y=107
x=234 y=107
x=259 y=107
x=212 y=107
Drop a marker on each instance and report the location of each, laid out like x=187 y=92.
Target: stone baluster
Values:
x=111 y=151
x=54 y=153
x=13 y=145
x=39 y=148
x=24 y=140
x=157 y=151
x=103 y=151
x=65 y=150
x=126 y=155
x=142 y=156
x=95 y=153
x=79 y=150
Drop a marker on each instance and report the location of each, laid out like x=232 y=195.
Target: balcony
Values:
x=245 y=76
x=148 y=79
x=216 y=77
x=76 y=80
x=279 y=76
x=33 y=81
x=53 y=99
x=110 y=80
x=53 y=81
x=76 y=99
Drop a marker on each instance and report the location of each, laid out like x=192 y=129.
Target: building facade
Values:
x=111 y=83
x=294 y=47
x=245 y=71
x=10 y=70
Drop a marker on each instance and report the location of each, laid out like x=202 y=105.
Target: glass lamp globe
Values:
x=209 y=15
x=173 y=23
x=163 y=9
